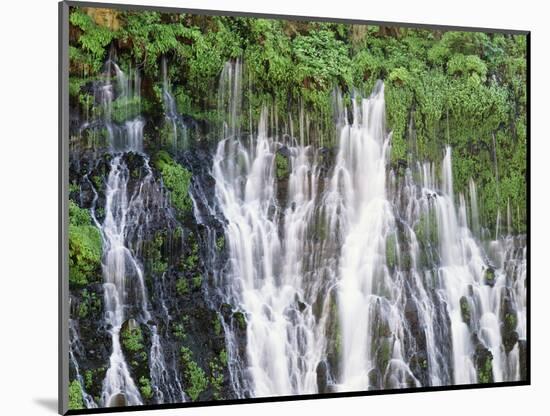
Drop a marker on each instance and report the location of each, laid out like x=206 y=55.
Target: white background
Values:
x=28 y=206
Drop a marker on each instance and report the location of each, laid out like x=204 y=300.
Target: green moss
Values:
x=281 y=166
x=510 y=322
x=84 y=247
x=145 y=388
x=177 y=179
x=216 y=378
x=223 y=357
x=155 y=256
x=132 y=339
x=195 y=377
x=89 y=302
x=489 y=276
x=240 y=319
x=92 y=43
x=465 y=310
x=125 y=108
x=197 y=281
x=485 y=373
x=88 y=379
x=190 y=262
x=75 y=396
x=179 y=331
x=220 y=243
x=425 y=229
x=217 y=325
x=182 y=287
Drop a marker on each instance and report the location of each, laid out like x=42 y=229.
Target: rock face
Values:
x=104 y=17
x=483 y=360
x=175 y=261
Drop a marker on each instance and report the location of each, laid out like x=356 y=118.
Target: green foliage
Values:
x=281 y=166
x=197 y=281
x=125 y=108
x=179 y=331
x=182 y=287
x=216 y=378
x=240 y=319
x=442 y=88
x=191 y=261
x=321 y=59
x=154 y=254
x=84 y=247
x=92 y=42
x=467 y=65
x=145 y=388
x=75 y=396
x=89 y=302
x=217 y=325
x=220 y=243
x=426 y=229
x=132 y=339
x=195 y=377
x=177 y=179
x=510 y=322
x=88 y=379
x=465 y=310
x=223 y=357
x=485 y=372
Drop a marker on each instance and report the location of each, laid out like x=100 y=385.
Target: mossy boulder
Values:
x=489 y=276
x=508 y=322
x=465 y=310
x=483 y=360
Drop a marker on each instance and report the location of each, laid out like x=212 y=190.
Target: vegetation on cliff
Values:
x=466 y=89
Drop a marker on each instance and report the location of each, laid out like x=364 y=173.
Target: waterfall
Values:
x=76 y=350
x=179 y=129
x=266 y=248
x=361 y=214
x=338 y=271
x=397 y=290
x=126 y=217
x=119 y=268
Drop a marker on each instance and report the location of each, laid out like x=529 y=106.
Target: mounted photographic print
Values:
x=262 y=208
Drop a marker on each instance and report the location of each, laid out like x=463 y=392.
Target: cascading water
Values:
x=410 y=296
x=126 y=217
x=359 y=211
x=179 y=129
x=337 y=272
x=266 y=245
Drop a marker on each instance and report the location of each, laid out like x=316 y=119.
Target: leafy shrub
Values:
x=84 y=247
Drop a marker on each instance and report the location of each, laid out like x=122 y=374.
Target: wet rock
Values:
x=509 y=323
x=465 y=310
x=117 y=400
x=322 y=377
x=375 y=379
x=489 y=276
x=483 y=360
x=522 y=347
